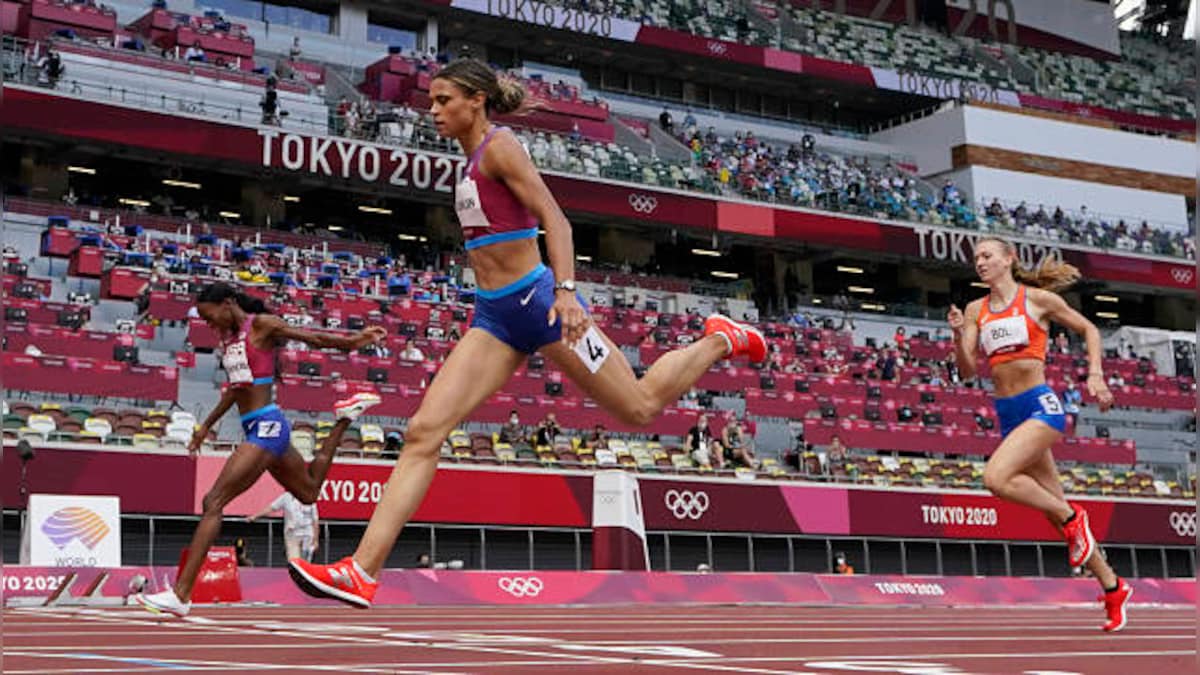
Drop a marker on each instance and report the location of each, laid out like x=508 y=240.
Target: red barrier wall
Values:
x=434 y=587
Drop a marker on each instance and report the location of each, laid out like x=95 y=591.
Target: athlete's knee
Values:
x=214 y=502
x=637 y=413
x=424 y=436
x=995 y=481
x=307 y=494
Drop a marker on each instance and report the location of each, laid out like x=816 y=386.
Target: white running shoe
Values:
x=164 y=602
x=351 y=408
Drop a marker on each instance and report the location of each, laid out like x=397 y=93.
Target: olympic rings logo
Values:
x=715 y=47
x=686 y=504
x=1183 y=522
x=1182 y=275
x=643 y=203
x=521 y=587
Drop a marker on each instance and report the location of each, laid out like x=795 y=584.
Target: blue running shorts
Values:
x=268 y=429
x=1039 y=403
x=516 y=314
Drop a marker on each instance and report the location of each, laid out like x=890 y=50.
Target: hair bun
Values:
x=509 y=98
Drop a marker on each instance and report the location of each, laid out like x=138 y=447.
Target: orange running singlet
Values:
x=1011 y=334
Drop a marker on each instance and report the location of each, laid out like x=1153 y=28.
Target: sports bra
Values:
x=1011 y=334
x=246 y=364
x=488 y=211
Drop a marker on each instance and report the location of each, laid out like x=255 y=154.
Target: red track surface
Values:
x=760 y=639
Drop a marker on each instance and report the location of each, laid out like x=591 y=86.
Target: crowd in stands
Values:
x=797 y=173
x=1154 y=76
x=718 y=440
x=783 y=172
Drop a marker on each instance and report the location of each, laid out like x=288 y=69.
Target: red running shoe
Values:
x=1114 y=604
x=743 y=340
x=351 y=408
x=340 y=581
x=1080 y=542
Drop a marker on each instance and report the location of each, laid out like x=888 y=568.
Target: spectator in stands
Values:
x=194 y=53
x=935 y=376
x=704 y=449
x=301 y=525
x=270 y=103
x=598 y=439
x=294 y=51
x=392 y=444
x=836 y=452
x=900 y=337
x=512 y=432
x=796 y=367
x=666 y=122
x=1116 y=380
x=243 y=558
x=808 y=146
x=423 y=561
x=411 y=352
x=1062 y=344
x=548 y=430
x=690 y=400
x=888 y=369
x=50 y=68
x=841 y=565
x=1072 y=399
x=739 y=447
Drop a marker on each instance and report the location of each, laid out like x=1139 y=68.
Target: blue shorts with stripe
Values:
x=516 y=314
x=268 y=429
x=1038 y=403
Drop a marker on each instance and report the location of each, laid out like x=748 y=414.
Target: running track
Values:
x=609 y=640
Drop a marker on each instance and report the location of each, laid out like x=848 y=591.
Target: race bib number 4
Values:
x=592 y=349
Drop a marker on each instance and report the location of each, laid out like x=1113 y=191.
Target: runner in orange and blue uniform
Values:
x=522 y=306
x=249 y=337
x=1011 y=325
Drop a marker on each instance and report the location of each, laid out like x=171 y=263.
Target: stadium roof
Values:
x=1133 y=14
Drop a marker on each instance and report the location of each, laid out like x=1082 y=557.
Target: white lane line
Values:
x=562 y=657
x=1122 y=637
x=1031 y=655
x=168 y=664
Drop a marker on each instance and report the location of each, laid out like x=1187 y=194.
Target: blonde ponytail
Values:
x=1052 y=274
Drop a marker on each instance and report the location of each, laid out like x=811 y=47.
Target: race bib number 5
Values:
x=1050 y=404
x=592 y=349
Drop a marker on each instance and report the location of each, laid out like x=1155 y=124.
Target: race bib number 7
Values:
x=592 y=349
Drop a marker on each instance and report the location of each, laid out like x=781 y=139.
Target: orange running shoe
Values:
x=743 y=340
x=1114 y=604
x=1080 y=542
x=340 y=581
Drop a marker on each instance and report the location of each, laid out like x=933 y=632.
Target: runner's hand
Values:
x=574 y=320
x=956 y=319
x=198 y=437
x=1099 y=391
x=370 y=336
